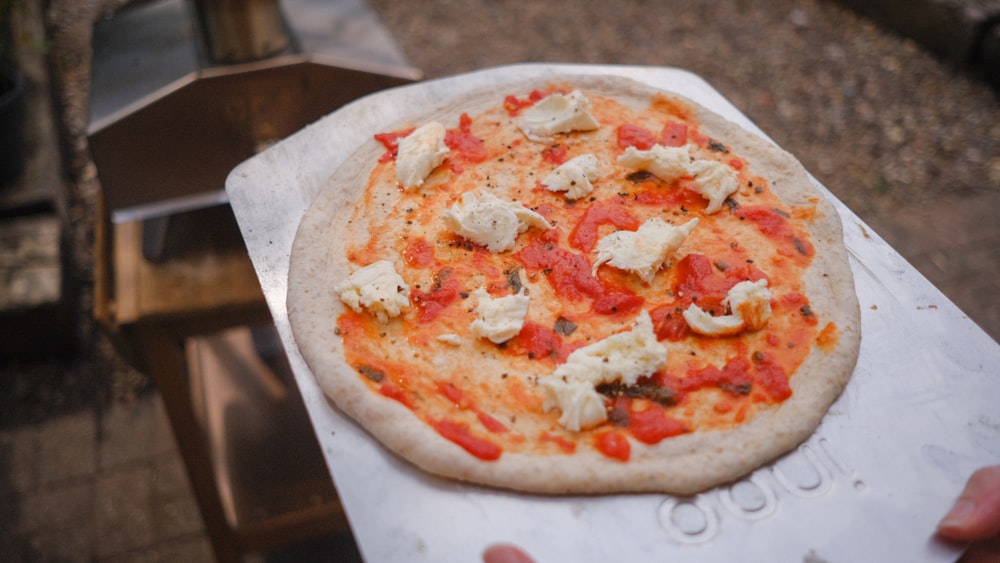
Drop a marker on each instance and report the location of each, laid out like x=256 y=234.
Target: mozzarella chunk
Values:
x=714 y=181
x=450 y=338
x=500 y=318
x=645 y=250
x=557 y=113
x=750 y=303
x=490 y=221
x=666 y=163
x=625 y=356
x=574 y=176
x=377 y=288
x=581 y=405
x=420 y=153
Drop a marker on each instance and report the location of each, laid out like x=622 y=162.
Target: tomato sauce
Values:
x=652 y=424
x=634 y=136
x=461 y=435
x=464 y=144
x=614 y=445
x=433 y=303
x=391 y=143
x=584 y=237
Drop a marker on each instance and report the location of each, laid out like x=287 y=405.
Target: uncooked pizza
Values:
x=577 y=285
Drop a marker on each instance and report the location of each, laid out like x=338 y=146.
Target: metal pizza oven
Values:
x=181 y=93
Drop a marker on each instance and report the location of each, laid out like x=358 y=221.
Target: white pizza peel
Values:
x=919 y=415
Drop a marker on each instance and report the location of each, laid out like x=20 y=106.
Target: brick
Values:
x=18 y=460
x=132 y=432
x=123 y=518
x=67 y=448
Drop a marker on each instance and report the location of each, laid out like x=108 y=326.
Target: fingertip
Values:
x=503 y=553
x=956 y=524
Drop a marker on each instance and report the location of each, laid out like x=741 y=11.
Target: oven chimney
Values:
x=240 y=31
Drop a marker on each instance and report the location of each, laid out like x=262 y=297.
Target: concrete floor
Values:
x=910 y=142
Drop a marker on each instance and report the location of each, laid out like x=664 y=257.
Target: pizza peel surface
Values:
x=668 y=312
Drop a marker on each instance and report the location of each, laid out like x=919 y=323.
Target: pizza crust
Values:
x=681 y=465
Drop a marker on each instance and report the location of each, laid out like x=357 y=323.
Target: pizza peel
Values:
x=917 y=418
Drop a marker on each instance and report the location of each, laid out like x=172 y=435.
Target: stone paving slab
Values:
x=71 y=493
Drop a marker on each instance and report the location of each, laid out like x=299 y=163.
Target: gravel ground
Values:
x=878 y=120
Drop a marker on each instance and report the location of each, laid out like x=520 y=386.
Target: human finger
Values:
x=503 y=553
x=976 y=513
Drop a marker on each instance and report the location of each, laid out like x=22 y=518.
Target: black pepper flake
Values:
x=371 y=373
x=639 y=177
x=564 y=326
x=806 y=311
x=799 y=246
x=737 y=389
x=716 y=146
x=642 y=389
x=514 y=279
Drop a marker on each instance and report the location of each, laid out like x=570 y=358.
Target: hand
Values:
x=506 y=554
x=976 y=517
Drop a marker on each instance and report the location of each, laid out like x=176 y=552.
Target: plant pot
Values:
x=12 y=108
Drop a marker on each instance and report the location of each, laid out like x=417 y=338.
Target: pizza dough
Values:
x=468 y=408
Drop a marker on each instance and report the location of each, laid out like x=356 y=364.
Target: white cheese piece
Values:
x=645 y=250
x=420 y=153
x=557 y=113
x=574 y=176
x=450 y=338
x=752 y=302
x=714 y=181
x=666 y=163
x=625 y=356
x=750 y=305
x=490 y=221
x=376 y=287
x=500 y=318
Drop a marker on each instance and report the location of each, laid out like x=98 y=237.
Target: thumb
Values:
x=976 y=514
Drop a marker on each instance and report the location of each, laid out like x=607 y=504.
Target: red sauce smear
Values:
x=419 y=254
x=515 y=105
x=774 y=225
x=739 y=377
x=556 y=154
x=538 y=342
x=460 y=434
x=571 y=276
x=629 y=135
x=397 y=393
x=565 y=445
x=432 y=303
x=653 y=425
x=466 y=146
x=614 y=445
x=584 y=235
x=698 y=280
x=674 y=134
x=391 y=143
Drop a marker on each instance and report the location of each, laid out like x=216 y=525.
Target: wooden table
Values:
x=163 y=316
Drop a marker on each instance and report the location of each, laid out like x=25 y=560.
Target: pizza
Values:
x=581 y=284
